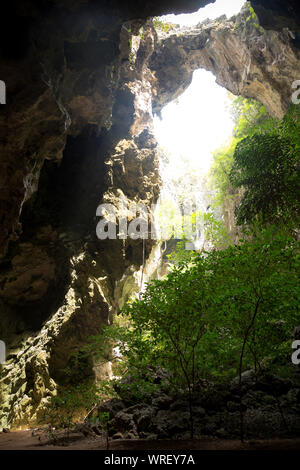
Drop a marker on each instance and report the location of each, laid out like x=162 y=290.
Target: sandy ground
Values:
x=23 y=440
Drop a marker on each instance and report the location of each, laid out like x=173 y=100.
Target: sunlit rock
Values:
x=245 y=58
x=76 y=131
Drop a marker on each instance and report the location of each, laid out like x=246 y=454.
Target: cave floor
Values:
x=23 y=440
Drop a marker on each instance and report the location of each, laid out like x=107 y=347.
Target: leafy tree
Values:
x=165 y=338
x=259 y=290
x=213 y=235
x=260 y=164
x=164 y=26
x=248 y=116
x=62 y=410
x=220 y=173
x=266 y=166
x=212 y=316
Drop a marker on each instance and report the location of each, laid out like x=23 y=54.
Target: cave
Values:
x=83 y=82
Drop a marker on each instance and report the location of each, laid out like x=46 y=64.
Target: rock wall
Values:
x=279 y=14
x=82 y=81
x=270 y=408
x=59 y=283
x=245 y=58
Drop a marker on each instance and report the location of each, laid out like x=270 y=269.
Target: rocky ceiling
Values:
x=81 y=79
x=277 y=14
x=245 y=58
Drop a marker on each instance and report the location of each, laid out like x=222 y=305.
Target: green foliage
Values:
x=261 y=164
x=162 y=25
x=186 y=190
x=215 y=314
x=220 y=173
x=246 y=115
x=168 y=219
x=141 y=33
x=195 y=322
x=132 y=53
x=266 y=166
x=213 y=233
x=180 y=254
x=65 y=408
x=252 y=15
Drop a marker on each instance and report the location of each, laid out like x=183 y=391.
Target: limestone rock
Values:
x=245 y=58
x=77 y=131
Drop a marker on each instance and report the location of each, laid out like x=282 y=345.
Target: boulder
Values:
x=144 y=418
x=248 y=381
x=171 y=422
x=198 y=411
x=122 y=422
x=272 y=385
x=162 y=402
x=112 y=407
x=293 y=395
x=180 y=405
x=233 y=406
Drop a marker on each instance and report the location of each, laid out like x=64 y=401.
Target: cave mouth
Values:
x=189 y=131
x=195 y=124
x=203 y=108
x=211 y=11
x=191 y=127
x=82 y=277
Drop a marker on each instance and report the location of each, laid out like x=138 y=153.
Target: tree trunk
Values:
x=191 y=414
x=241 y=369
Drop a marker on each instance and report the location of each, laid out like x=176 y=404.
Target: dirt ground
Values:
x=23 y=440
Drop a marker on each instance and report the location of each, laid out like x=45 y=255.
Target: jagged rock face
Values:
x=76 y=132
x=216 y=411
x=60 y=62
x=59 y=283
x=278 y=14
x=245 y=58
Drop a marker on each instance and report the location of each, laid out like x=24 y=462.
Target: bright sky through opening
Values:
x=212 y=11
x=199 y=121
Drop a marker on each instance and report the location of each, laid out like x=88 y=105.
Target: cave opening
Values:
x=189 y=130
x=210 y=11
x=89 y=134
x=191 y=127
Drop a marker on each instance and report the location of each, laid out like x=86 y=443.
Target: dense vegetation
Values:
x=222 y=311
x=261 y=163
x=213 y=316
